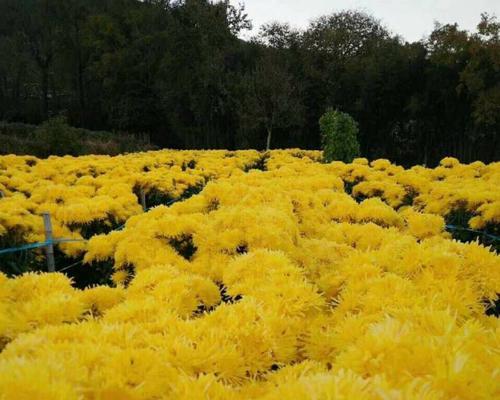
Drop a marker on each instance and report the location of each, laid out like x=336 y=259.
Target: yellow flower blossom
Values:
x=275 y=281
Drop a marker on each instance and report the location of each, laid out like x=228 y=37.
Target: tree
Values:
x=270 y=99
x=344 y=35
x=278 y=35
x=330 y=46
x=481 y=79
x=339 y=134
x=196 y=70
x=379 y=87
x=177 y=70
x=38 y=24
x=74 y=49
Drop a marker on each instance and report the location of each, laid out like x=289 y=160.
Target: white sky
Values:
x=412 y=19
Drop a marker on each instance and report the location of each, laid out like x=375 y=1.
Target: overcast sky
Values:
x=412 y=19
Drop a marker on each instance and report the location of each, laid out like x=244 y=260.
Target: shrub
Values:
x=57 y=138
x=339 y=134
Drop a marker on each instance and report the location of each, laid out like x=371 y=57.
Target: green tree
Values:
x=330 y=46
x=38 y=24
x=271 y=98
x=200 y=58
x=180 y=71
x=339 y=134
x=481 y=80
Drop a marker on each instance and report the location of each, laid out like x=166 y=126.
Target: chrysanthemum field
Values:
x=250 y=276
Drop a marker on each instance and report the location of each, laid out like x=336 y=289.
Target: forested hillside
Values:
x=180 y=72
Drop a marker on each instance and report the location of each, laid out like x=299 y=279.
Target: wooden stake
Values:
x=143 y=200
x=51 y=265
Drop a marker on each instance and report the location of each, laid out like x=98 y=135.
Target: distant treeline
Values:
x=178 y=71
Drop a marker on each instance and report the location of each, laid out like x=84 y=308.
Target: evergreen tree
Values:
x=339 y=133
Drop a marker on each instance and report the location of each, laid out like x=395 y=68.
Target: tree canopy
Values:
x=179 y=71
x=339 y=134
